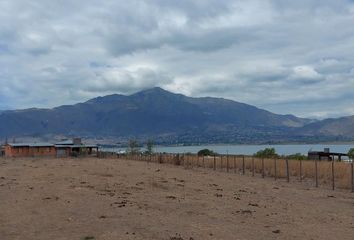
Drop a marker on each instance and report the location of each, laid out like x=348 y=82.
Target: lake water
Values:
x=251 y=149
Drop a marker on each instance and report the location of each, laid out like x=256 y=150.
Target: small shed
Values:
x=326 y=154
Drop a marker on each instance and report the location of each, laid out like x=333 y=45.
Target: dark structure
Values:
x=75 y=148
x=2 y=151
x=325 y=155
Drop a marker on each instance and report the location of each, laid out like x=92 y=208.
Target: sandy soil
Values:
x=119 y=199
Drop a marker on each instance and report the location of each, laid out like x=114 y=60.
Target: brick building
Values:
x=30 y=150
x=61 y=149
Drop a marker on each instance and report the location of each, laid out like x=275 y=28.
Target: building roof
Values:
x=65 y=142
x=322 y=153
x=31 y=144
x=75 y=146
x=91 y=145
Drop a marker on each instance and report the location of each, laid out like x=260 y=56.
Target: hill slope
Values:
x=341 y=127
x=160 y=114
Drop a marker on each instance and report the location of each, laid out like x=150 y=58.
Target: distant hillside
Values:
x=343 y=127
x=159 y=114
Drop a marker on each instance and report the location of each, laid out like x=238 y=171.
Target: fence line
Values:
x=325 y=173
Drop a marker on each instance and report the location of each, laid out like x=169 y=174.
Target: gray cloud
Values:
x=285 y=56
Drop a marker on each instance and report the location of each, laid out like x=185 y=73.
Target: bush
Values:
x=351 y=153
x=206 y=152
x=149 y=147
x=266 y=153
x=133 y=147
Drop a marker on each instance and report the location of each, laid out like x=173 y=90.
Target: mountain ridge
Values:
x=160 y=114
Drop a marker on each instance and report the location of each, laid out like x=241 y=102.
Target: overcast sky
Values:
x=285 y=56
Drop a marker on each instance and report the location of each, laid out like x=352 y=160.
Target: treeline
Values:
x=134 y=148
x=271 y=153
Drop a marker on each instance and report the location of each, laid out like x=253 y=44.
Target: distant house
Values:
x=30 y=150
x=325 y=155
x=61 y=149
x=74 y=147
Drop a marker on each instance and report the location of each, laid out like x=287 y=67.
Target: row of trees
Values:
x=134 y=148
x=271 y=153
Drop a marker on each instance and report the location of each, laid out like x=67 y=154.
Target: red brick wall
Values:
x=29 y=151
x=42 y=151
x=16 y=151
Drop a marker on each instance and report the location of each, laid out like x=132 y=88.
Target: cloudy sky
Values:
x=282 y=55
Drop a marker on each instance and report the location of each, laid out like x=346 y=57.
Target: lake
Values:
x=285 y=149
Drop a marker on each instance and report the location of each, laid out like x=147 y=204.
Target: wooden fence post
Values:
x=243 y=164
x=234 y=157
x=262 y=167
x=221 y=162
x=333 y=173
x=316 y=173
x=227 y=163
x=352 y=171
x=287 y=170
x=300 y=170
x=252 y=166
x=203 y=161
x=275 y=169
x=214 y=163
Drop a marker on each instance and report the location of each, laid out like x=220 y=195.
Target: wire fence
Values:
x=333 y=174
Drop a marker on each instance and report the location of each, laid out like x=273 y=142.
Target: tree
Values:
x=133 y=147
x=266 y=153
x=149 y=146
x=351 y=153
x=206 y=152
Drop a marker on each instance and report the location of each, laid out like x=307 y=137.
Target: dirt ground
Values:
x=119 y=199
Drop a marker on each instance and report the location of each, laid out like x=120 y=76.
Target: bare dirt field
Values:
x=118 y=199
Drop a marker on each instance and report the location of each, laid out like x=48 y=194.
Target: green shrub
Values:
x=351 y=153
x=266 y=153
x=206 y=152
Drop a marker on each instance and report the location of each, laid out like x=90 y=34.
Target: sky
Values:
x=284 y=56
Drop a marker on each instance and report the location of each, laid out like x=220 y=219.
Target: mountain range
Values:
x=171 y=118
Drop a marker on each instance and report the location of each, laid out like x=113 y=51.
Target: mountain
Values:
x=340 y=127
x=162 y=115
